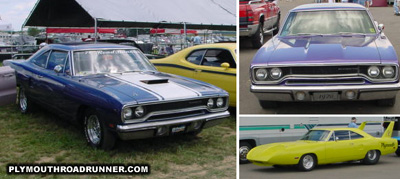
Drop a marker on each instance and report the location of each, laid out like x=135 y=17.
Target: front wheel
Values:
x=258 y=38
x=244 y=149
x=398 y=153
x=372 y=157
x=96 y=133
x=307 y=162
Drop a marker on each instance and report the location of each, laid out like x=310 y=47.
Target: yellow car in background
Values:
x=211 y=63
x=325 y=146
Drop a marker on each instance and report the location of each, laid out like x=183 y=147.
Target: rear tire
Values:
x=268 y=104
x=398 y=153
x=372 y=157
x=258 y=38
x=24 y=102
x=307 y=162
x=244 y=149
x=96 y=133
x=387 y=102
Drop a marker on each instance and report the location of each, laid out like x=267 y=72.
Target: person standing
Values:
x=196 y=39
x=353 y=123
x=396 y=6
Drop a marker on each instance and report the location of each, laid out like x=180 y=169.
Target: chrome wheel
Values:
x=93 y=129
x=23 y=101
x=372 y=154
x=308 y=162
x=261 y=34
x=243 y=151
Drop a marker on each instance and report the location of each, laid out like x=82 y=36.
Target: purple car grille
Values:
x=324 y=70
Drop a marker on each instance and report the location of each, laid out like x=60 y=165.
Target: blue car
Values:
x=115 y=92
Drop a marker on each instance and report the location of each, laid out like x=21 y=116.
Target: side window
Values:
x=215 y=57
x=41 y=60
x=354 y=135
x=56 y=58
x=196 y=57
x=342 y=135
x=332 y=138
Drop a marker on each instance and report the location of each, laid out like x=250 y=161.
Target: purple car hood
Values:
x=320 y=50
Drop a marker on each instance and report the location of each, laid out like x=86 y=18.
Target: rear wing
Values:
x=388 y=132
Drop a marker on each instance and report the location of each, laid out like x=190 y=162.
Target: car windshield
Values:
x=335 y=22
x=110 y=61
x=316 y=135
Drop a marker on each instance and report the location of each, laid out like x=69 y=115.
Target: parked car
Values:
x=133 y=44
x=7 y=86
x=114 y=91
x=325 y=146
x=326 y=52
x=258 y=17
x=211 y=63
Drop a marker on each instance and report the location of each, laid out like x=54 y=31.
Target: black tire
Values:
x=243 y=151
x=258 y=38
x=398 y=152
x=307 y=162
x=24 y=102
x=277 y=25
x=387 y=102
x=96 y=133
x=268 y=104
x=372 y=157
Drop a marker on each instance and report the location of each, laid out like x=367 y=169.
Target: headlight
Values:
x=139 y=111
x=388 y=72
x=127 y=112
x=210 y=103
x=261 y=74
x=220 y=102
x=373 y=71
x=276 y=73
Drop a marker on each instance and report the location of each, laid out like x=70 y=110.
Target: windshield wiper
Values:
x=352 y=34
x=131 y=71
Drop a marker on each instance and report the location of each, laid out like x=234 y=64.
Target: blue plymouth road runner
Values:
x=326 y=52
x=114 y=91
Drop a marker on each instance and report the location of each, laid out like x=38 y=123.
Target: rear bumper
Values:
x=249 y=31
x=362 y=92
x=152 y=129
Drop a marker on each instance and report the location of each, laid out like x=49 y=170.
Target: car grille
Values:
x=324 y=70
x=323 y=81
x=177 y=105
x=176 y=115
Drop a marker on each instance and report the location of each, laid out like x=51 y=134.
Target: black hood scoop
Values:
x=158 y=81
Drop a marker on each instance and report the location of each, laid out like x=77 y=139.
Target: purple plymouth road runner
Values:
x=326 y=52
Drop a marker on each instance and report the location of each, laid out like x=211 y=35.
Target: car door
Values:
x=35 y=85
x=53 y=82
x=211 y=71
x=339 y=148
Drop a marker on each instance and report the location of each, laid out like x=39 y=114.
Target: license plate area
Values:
x=178 y=129
x=326 y=96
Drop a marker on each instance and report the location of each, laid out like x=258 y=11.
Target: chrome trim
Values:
x=200 y=107
x=322 y=76
x=153 y=125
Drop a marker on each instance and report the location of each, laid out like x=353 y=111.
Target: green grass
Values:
x=42 y=137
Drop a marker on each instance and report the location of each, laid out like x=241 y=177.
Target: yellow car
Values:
x=211 y=63
x=324 y=146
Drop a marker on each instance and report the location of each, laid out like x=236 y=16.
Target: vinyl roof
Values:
x=197 y=14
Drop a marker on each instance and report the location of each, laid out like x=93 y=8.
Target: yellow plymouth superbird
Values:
x=324 y=146
x=211 y=63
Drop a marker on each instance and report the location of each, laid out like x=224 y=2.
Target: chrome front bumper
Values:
x=150 y=129
x=363 y=92
x=249 y=31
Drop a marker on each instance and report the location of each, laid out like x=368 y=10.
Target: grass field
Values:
x=42 y=138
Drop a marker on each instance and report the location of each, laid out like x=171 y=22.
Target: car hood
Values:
x=320 y=50
x=266 y=152
x=145 y=87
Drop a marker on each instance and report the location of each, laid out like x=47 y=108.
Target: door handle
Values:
x=197 y=70
x=8 y=75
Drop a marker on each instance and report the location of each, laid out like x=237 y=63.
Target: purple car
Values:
x=326 y=52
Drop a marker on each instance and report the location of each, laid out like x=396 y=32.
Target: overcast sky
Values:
x=15 y=12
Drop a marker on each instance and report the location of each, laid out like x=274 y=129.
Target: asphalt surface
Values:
x=249 y=103
x=387 y=167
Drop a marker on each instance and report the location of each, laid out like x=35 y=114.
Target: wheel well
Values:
x=81 y=114
x=261 y=20
x=250 y=141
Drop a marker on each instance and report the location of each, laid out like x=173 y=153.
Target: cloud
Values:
x=15 y=12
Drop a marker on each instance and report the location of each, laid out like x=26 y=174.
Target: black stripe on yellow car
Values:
x=192 y=69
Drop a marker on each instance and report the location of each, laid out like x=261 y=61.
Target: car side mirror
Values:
x=225 y=65
x=381 y=27
x=58 y=68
